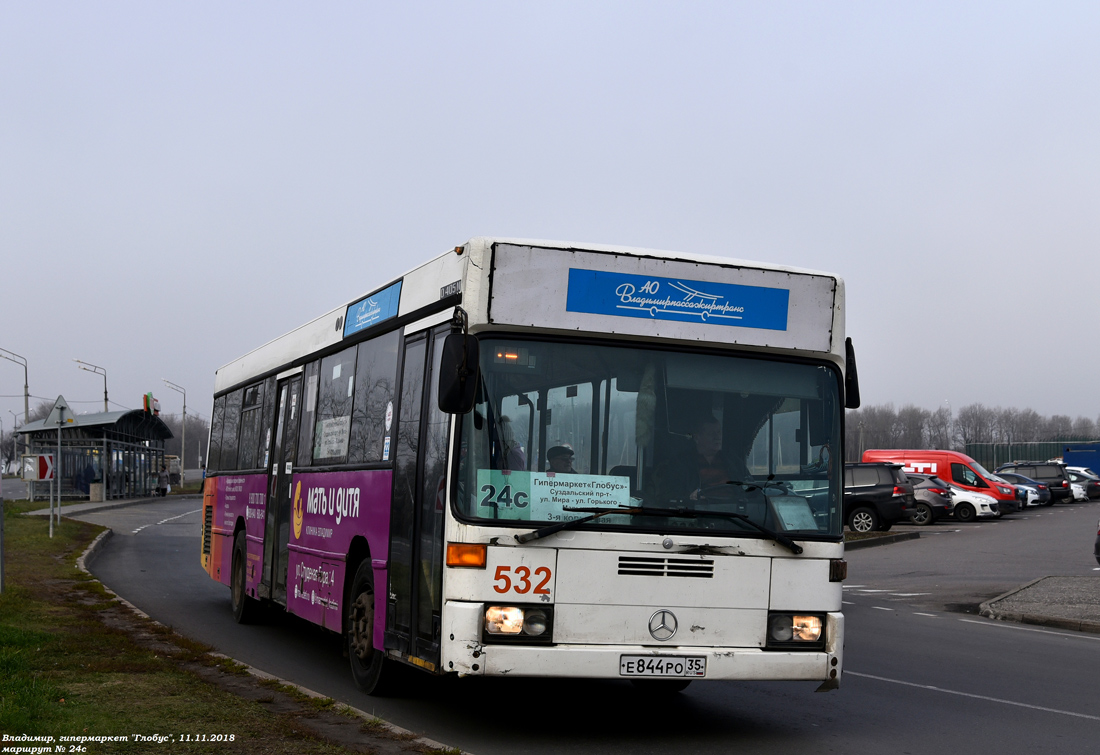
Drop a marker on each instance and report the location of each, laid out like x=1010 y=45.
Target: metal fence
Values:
x=992 y=455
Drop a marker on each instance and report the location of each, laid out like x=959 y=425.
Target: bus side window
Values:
x=232 y=426
x=251 y=413
x=309 y=410
x=375 y=380
x=332 y=428
x=217 y=424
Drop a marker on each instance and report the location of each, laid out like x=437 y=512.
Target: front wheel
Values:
x=245 y=608
x=863 y=520
x=923 y=516
x=370 y=670
x=965 y=512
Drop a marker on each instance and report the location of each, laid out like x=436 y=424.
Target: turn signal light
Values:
x=470 y=555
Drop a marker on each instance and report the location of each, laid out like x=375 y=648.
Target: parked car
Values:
x=1090 y=483
x=970 y=505
x=951 y=466
x=876 y=496
x=1083 y=470
x=934 y=498
x=1052 y=475
x=1079 y=493
x=1041 y=490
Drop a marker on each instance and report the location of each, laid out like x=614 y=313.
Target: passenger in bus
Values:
x=560 y=460
x=513 y=455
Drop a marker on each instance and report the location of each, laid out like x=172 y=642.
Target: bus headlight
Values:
x=796 y=630
x=517 y=623
x=503 y=620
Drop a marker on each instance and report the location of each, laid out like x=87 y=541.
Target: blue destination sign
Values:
x=649 y=297
x=372 y=310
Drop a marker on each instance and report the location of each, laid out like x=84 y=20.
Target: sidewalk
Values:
x=1059 y=602
x=75 y=509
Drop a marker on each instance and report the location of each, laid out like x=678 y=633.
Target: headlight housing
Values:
x=530 y=624
x=795 y=631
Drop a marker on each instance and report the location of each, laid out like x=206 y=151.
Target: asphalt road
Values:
x=919 y=678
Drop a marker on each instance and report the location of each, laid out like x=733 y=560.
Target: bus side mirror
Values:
x=851 y=377
x=458 y=372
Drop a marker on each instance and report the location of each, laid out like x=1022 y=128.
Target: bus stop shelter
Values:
x=103 y=456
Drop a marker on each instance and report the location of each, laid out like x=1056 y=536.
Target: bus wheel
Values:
x=660 y=686
x=369 y=668
x=244 y=607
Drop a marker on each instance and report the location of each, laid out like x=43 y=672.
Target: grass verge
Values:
x=76 y=662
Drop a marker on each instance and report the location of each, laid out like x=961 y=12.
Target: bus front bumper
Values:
x=614 y=661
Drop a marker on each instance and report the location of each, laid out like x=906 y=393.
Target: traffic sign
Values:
x=38 y=467
x=61 y=414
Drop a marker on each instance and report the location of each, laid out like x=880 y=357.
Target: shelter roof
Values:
x=136 y=422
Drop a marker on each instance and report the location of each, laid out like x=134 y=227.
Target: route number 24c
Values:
x=520 y=579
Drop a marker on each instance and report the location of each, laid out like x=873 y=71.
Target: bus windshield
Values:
x=678 y=441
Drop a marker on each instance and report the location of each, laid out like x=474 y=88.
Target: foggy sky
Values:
x=182 y=182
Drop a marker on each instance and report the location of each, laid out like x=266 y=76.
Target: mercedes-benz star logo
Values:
x=662 y=625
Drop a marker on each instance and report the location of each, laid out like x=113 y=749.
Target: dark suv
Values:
x=876 y=495
x=1050 y=474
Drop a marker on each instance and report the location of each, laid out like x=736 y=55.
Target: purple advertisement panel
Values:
x=243 y=496
x=330 y=509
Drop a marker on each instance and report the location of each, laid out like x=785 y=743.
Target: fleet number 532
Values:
x=521 y=580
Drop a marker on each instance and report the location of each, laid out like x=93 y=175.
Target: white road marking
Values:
x=1005 y=625
x=882 y=608
x=918 y=613
x=908 y=594
x=181 y=516
x=169 y=519
x=847 y=602
x=976 y=697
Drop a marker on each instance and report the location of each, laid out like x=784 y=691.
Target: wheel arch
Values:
x=358 y=552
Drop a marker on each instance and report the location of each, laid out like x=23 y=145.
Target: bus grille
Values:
x=665 y=567
x=207 y=523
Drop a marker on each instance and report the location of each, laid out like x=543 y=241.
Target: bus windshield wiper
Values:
x=595 y=513
x=778 y=537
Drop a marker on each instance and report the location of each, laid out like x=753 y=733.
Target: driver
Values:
x=706 y=465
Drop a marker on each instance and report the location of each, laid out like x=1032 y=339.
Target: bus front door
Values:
x=277 y=520
x=413 y=617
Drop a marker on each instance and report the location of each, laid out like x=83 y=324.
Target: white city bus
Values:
x=531 y=458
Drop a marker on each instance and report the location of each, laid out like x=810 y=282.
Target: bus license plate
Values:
x=658 y=665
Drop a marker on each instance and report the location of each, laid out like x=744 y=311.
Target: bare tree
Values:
x=1058 y=427
x=1083 y=429
x=975 y=424
x=911 y=427
x=941 y=429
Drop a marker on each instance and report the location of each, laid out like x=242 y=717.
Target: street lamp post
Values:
x=11 y=356
x=183 y=439
x=89 y=367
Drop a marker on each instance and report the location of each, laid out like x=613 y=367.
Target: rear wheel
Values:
x=245 y=608
x=863 y=520
x=370 y=670
x=965 y=512
x=923 y=515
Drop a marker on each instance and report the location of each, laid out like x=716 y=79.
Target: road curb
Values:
x=989 y=610
x=93 y=508
x=410 y=736
x=872 y=542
